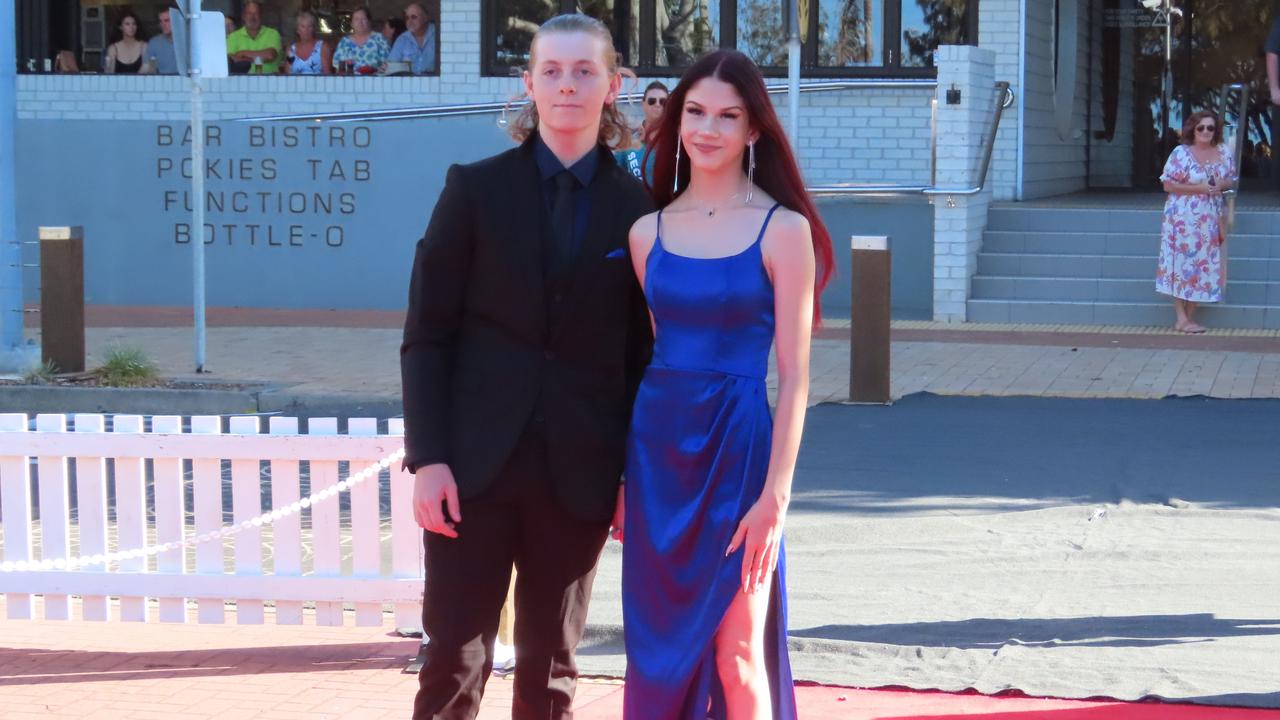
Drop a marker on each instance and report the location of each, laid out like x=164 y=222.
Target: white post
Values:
x=11 y=312
x=197 y=214
x=197 y=185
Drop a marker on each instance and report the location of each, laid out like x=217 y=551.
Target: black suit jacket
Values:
x=482 y=361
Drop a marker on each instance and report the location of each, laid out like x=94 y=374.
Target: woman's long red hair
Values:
x=777 y=172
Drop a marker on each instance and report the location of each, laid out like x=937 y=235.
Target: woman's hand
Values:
x=760 y=534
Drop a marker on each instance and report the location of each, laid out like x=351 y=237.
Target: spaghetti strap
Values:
x=658 y=237
x=763 y=226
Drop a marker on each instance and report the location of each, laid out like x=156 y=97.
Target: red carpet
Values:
x=828 y=703
x=116 y=670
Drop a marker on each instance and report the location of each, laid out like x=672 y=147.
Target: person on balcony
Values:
x=254 y=49
x=364 y=51
x=162 y=59
x=308 y=55
x=417 y=46
x=126 y=56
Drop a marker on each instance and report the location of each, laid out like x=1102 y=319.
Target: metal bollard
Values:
x=869 y=319
x=62 y=297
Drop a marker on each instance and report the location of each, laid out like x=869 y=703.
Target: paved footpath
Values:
x=355 y=355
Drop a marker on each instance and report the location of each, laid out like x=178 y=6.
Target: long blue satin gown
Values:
x=697 y=456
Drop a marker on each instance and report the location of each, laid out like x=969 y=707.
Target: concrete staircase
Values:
x=1097 y=267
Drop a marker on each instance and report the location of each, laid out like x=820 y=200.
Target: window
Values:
x=761 y=33
x=660 y=37
x=926 y=24
x=509 y=25
x=685 y=29
x=509 y=31
x=851 y=33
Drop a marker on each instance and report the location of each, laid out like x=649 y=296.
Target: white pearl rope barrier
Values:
x=264 y=519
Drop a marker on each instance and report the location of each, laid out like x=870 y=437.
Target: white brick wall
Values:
x=1052 y=165
x=999 y=28
x=873 y=136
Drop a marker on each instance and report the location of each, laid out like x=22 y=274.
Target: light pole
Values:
x=11 y=307
x=795 y=15
x=197 y=187
x=1165 y=13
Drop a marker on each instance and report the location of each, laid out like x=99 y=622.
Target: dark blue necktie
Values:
x=562 y=221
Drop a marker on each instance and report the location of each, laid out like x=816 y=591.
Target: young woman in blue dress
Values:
x=730 y=266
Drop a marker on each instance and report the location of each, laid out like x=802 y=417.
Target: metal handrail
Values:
x=413 y=113
x=1005 y=98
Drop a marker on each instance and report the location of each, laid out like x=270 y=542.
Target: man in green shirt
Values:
x=254 y=45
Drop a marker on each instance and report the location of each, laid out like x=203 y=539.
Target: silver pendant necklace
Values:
x=713 y=209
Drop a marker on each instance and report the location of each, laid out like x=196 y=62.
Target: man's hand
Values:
x=619 y=515
x=1275 y=96
x=433 y=489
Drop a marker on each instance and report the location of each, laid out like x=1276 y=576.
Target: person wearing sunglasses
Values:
x=417 y=46
x=1198 y=171
x=632 y=159
x=655 y=100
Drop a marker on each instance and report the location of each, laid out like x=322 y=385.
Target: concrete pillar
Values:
x=966 y=103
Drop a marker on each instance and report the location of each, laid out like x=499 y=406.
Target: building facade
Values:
x=297 y=212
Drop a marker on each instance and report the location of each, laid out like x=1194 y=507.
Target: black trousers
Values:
x=518 y=521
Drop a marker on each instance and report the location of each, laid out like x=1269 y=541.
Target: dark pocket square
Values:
x=616 y=254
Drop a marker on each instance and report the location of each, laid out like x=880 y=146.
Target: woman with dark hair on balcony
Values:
x=391 y=28
x=125 y=56
x=1194 y=227
x=731 y=266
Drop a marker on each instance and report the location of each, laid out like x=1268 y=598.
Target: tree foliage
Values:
x=944 y=24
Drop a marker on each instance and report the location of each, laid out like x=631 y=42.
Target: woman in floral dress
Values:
x=1197 y=173
x=365 y=49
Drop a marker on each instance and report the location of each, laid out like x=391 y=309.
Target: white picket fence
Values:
x=170 y=576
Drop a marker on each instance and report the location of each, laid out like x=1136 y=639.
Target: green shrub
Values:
x=127 y=367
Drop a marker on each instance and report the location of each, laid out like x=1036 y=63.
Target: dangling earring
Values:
x=675 y=184
x=751 y=170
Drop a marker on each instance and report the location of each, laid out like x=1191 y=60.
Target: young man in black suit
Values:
x=524 y=342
